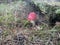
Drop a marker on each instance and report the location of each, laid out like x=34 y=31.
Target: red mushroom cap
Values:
x=32 y=16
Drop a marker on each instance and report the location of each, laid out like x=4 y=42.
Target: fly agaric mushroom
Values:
x=32 y=17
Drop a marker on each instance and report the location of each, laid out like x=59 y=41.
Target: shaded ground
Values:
x=10 y=34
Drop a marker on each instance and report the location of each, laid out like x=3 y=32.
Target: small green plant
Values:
x=57 y=11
